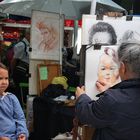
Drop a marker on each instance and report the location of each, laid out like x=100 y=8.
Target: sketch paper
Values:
x=45 y=35
x=119 y=24
x=93 y=58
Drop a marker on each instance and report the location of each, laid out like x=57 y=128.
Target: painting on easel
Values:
x=101 y=61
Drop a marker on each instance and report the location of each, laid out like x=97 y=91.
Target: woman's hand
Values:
x=80 y=91
x=102 y=86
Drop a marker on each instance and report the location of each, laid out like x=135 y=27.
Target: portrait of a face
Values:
x=102 y=33
x=46 y=39
x=108 y=70
x=49 y=36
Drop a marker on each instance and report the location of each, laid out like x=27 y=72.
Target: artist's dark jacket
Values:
x=116 y=114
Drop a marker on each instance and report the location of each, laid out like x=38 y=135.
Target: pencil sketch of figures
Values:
x=129 y=35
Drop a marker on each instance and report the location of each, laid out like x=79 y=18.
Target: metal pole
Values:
x=93 y=7
x=60 y=9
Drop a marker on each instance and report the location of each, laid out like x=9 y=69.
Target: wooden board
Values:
x=33 y=81
x=46 y=72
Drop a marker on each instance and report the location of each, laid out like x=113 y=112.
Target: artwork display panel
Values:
x=101 y=66
x=109 y=33
x=46 y=29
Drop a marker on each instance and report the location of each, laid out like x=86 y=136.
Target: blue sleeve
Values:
x=95 y=113
x=19 y=118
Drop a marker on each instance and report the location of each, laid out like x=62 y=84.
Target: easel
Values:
x=40 y=57
x=88 y=132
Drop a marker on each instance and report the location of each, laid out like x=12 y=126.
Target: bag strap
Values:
x=25 y=47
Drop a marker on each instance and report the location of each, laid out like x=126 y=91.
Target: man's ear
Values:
x=122 y=69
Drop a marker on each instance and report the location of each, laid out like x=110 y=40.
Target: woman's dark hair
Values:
x=103 y=27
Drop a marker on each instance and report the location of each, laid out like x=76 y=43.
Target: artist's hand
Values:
x=22 y=137
x=102 y=86
x=4 y=138
x=80 y=91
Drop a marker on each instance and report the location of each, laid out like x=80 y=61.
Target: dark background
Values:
x=130 y=5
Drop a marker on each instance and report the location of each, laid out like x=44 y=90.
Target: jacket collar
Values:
x=128 y=83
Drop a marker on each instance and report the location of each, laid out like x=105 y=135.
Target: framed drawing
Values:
x=46 y=31
x=107 y=33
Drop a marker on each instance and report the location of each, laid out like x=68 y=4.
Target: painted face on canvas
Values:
x=4 y=80
x=108 y=70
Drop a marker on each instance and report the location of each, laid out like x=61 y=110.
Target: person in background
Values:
x=12 y=119
x=1 y=43
x=21 y=49
x=102 y=33
x=1 y=35
x=116 y=114
x=70 y=68
x=20 y=65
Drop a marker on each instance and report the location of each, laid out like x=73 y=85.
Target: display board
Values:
x=46 y=35
x=33 y=89
x=119 y=30
x=46 y=73
x=36 y=81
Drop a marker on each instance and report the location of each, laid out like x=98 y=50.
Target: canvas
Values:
x=45 y=35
